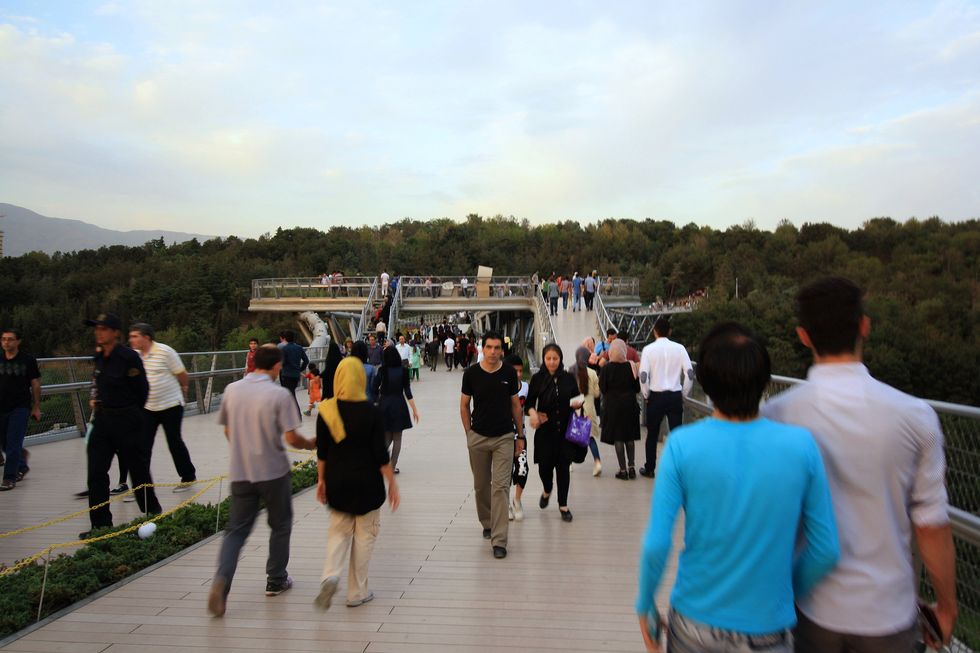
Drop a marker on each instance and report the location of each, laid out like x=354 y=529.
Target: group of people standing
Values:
x=581 y=290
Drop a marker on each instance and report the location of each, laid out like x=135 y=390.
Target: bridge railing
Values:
x=66 y=387
x=619 y=286
x=961 y=429
x=303 y=287
x=544 y=331
x=452 y=286
x=362 y=325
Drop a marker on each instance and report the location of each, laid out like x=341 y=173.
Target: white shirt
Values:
x=404 y=351
x=162 y=366
x=384 y=279
x=665 y=367
x=883 y=451
x=450 y=345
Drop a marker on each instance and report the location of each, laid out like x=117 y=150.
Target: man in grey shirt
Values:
x=257 y=415
x=883 y=452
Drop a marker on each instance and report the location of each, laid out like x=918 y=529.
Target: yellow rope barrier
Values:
x=211 y=482
x=129 y=529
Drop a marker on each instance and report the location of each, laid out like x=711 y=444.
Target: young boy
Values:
x=521 y=466
x=315 y=387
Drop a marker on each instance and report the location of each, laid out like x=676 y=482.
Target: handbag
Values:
x=579 y=429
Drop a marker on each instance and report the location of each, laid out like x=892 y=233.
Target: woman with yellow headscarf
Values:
x=353 y=467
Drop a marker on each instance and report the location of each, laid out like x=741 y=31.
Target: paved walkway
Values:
x=562 y=587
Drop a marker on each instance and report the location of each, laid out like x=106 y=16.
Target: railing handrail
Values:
x=368 y=305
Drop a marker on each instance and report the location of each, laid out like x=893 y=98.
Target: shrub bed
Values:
x=72 y=578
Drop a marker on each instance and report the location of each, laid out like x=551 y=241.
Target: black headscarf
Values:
x=330 y=368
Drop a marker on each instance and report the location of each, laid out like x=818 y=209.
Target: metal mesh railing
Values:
x=961 y=428
x=303 y=287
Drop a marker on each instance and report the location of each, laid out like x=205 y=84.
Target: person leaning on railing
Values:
x=884 y=455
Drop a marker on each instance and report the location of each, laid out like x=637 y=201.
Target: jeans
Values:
x=170 y=418
x=660 y=405
x=290 y=383
x=589 y=298
x=553 y=303
x=687 y=636
x=576 y=301
x=245 y=497
x=594 y=448
x=13 y=430
x=564 y=301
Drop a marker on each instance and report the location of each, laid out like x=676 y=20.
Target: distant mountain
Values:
x=27 y=231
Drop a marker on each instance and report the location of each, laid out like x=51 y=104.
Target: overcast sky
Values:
x=236 y=117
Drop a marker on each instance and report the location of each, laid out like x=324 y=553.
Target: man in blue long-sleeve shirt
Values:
x=294 y=361
x=748 y=486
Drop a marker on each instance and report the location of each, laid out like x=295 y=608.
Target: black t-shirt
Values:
x=16 y=375
x=354 y=481
x=491 y=391
x=120 y=379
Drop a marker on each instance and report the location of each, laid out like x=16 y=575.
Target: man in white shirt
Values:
x=464 y=285
x=165 y=405
x=385 y=279
x=404 y=350
x=883 y=452
x=449 y=348
x=666 y=377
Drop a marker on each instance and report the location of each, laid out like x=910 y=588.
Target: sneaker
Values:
x=327 y=589
x=275 y=588
x=646 y=473
x=510 y=512
x=499 y=552
x=486 y=533
x=357 y=602
x=183 y=486
x=7 y=484
x=597 y=468
x=129 y=498
x=518 y=510
x=217 y=597
x=622 y=475
x=119 y=489
x=308 y=412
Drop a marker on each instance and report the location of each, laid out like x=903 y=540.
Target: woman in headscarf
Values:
x=620 y=412
x=588 y=385
x=392 y=387
x=549 y=407
x=353 y=467
x=330 y=368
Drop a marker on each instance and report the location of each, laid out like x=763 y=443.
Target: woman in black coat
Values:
x=620 y=412
x=548 y=406
x=392 y=387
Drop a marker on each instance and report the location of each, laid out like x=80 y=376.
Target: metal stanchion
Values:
x=44 y=584
x=217 y=516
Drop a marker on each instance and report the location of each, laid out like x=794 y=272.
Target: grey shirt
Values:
x=883 y=451
x=257 y=412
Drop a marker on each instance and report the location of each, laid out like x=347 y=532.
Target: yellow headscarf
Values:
x=349 y=384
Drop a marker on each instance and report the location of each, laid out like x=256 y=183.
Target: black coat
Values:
x=550 y=395
x=620 y=412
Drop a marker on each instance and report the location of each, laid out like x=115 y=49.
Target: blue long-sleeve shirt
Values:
x=748 y=489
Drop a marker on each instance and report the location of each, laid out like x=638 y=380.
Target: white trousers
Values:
x=353 y=534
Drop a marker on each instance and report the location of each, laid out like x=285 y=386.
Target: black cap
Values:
x=107 y=320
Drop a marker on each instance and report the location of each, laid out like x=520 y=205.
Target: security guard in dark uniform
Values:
x=120 y=390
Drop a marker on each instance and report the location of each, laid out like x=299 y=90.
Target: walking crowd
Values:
x=801 y=511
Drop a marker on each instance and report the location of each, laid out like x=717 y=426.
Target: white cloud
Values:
x=223 y=118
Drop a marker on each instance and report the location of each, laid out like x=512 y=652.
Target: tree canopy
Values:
x=922 y=278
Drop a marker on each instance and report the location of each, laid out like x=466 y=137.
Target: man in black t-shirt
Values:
x=20 y=397
x=492 y=387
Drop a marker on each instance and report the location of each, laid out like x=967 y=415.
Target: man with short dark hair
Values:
x=748 y=487
x=886 y=467
x=165 y=404
x=119 y=393
x=374 y=351
x=666 y=376
x=294 y=361
x=493 y=388
x=258 y=416
x=20 y=398
x=590 y=284
x=253 y=345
